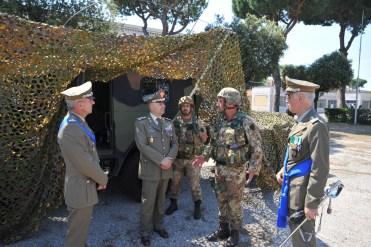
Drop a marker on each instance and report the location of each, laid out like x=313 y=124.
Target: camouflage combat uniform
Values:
x=190 y=144
x=235 y=146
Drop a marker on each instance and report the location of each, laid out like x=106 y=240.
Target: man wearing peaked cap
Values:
x=83 y=176
x=157 y=143
x=294 y=85
x=306 y=165
x=78 y=92
x=158 y=96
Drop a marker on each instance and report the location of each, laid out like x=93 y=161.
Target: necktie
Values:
x=159 y=122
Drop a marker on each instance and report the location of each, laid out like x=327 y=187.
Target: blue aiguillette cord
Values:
x=301 y=169
x=69 y=119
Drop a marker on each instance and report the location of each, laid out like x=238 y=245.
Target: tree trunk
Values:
x=342 y=95
x=277 y=85
x=338 y=98
x=316 y=99
x=344 y=51
x=165 y=24
x=144 y=29
x=342 y=48
x=145 y=25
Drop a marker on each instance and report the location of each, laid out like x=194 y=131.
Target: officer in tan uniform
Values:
x=156 y=140
x=235 y=146
x=306 y=167
x=83 y=175
x=192 y=135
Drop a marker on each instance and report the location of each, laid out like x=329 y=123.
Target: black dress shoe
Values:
x=162 y=232
x=145 y=240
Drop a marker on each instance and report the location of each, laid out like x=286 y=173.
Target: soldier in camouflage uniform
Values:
x=191 y=135
x=235 y=145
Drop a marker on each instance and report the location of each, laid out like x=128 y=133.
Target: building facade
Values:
x=129 y=29
x=262 y=99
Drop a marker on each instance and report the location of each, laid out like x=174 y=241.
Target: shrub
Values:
x=346 y=115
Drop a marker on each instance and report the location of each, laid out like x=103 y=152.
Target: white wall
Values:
x=258 y=93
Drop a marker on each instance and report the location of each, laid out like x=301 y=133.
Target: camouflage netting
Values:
x=38 y=61
x=275 y=128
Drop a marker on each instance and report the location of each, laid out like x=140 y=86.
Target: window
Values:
x=331 y=103
x=321 y=103
x=365 y=104
x=283 y=101
x=350 y=103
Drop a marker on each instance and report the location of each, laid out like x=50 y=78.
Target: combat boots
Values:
x=221 y=234
x=172 y=208
x=197 y=211
x=234 y=238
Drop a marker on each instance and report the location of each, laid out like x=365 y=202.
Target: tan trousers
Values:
x=153 y=205
x=78 y=226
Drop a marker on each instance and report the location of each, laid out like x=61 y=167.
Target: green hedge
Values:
x=346 y=115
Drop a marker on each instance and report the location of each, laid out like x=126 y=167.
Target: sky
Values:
x=305 y=43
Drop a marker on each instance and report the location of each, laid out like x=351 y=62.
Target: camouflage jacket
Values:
x=236 y=142
x=189 y=140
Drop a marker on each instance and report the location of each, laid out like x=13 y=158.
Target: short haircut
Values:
x=309 y=96
x=70 y=104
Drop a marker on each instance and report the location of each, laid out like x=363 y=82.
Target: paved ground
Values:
x=350 y=222
x=115 y=220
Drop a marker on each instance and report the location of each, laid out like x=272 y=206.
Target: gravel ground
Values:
x=116 y=221
x=116 y=218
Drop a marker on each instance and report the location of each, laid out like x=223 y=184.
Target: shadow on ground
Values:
x=358 y=129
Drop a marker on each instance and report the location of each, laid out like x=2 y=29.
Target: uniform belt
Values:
x=183 y=157
x=231 y=146
x=223 y=163
x=193 y=150
x=188 y=156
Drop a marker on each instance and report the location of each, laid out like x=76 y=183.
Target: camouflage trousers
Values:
x=229 y=187
x=181 y=167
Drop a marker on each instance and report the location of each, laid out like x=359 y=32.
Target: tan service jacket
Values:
x=155 y=143
x=83 y=171
x=314 y=135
